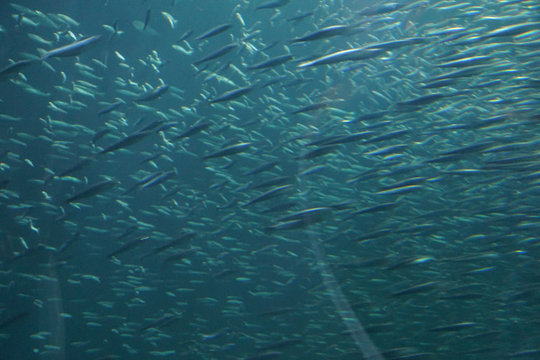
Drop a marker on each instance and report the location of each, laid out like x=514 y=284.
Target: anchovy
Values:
x=154 y=94
x=511 y=30
x=127 y=141
x=271 y=182
x=262 y=168
x=312 y=107
x=311 y=214
x=272 y=4
x=158 y=180
x=214 y=31
x=422 y=100
x=181 y=239
x=144 y=180
x=13 y=319
x=345 y=139
x=300 y=16
x=272 y=62
x=269 y=194
x=324 y=150
x=128 y=246
x=383 y=8
x=109 y=108
x=13 y=68
x=468 y=71
x=420 y=288
x=464 y=62
x=73 y=49
x=162 y=322
x=396 y=44
x=68 y=243
x=218 y=53
x=344 y=55
x=326 y=32
x=92 y=190
x=229 y=150
x=388 y=136
x=184 y=36
x=280 y=207
x=232 y=94
x=147 y=19
x=75 y=167
x=195 y=129
x=454 y=327
x=368 y=116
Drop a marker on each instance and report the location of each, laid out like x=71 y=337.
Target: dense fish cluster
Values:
x=270 y=179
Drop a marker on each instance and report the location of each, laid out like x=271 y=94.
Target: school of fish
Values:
x=308 y=179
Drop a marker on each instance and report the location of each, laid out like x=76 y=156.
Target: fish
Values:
x=218 y=53
x=154 y=94
x=262 y=168
x=91 y=191
x=11 y=69
x=272 y=62
x=73 y=49
x=13 y=319
x=182 y=238
x=343 y=55
x=260 y=179
x=326 y=32
x=147 y=18
x=127 y=141
x=272 y=4
x=232 y=94
x=128 y=246
x=268 y=194
x=229 y=150
x=216 y=30
x=195 y=129
x=109 y=108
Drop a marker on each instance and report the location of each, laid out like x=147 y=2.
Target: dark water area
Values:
x=311 y=180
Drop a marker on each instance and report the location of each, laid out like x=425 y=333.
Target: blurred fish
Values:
x=72 y=49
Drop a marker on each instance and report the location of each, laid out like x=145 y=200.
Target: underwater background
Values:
x=220 y=179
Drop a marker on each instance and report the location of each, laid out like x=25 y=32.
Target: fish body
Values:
x=93 y=190
x=154 y=94
x=229 y=150
x=13 y=68
x=272 y=62
x=72 y=49
x=214 y=31
x=195 y=129
x=326 y=32
x=344 y=55
x=272 y=4
x=127 y=141
x=218 y=53
x=232 y=94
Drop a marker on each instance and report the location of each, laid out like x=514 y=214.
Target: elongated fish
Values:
x=344 y=55
x=13 y=68
x=154 y=94
x=229 y=150
x=195 y=129
x=218 y=53
x=127 y=141
x=272 y=4
x=272 y=62
x=73 y=49
x=232 y=94
x=214 y=31
x=92 y=190
x=326 y=32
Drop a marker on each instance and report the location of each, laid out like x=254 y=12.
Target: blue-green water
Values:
x=283 y=179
